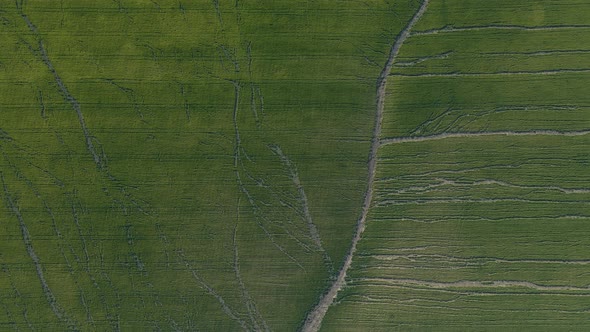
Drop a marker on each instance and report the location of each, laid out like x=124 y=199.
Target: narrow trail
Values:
x=314 y=319
x=398 y=140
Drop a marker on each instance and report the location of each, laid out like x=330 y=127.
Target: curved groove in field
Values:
x=98 y=156
x=98 y=160
x=62 y=243
x=242 y=187
x=58 y=311
x=256 y=318
x=224 y=306
x=399 y=140
x=313 y=231
x=17 y=297
x=314 y=319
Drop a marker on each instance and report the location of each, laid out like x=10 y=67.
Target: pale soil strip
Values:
x=390 y=202
x=313 y=231
x=487 y=182
x=500 y=73
x=495 y=167
x=55 y=307
x=510 y=185
x=316 y=316
x=498 y=27
x=424 y=305
x=476 y=260
x=476 y=284
x=64 y=90
x=423 y=59
x=538 y=53
x=476 y=219
x=398 y=140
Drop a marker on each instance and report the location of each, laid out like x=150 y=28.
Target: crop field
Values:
x=294 y=165
x=481 y=201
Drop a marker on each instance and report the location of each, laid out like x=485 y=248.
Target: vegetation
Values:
x=480 y=205
x=182 y=165
x=202 y=165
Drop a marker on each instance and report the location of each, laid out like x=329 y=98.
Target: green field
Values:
x=202 y=165
x=482 y=197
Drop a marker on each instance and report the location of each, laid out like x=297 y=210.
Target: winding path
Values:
x=315 y=317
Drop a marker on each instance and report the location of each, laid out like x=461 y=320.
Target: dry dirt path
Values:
x=315 y=317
